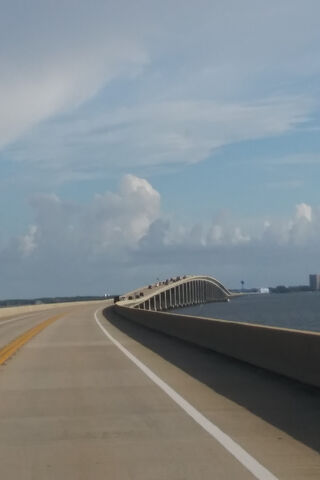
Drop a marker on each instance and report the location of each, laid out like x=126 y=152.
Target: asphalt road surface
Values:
x=75 y=403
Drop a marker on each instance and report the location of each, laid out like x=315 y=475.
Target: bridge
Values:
x=180 y=291
x=293 y=353
x=87 y=391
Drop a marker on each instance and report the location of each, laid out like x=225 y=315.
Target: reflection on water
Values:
x=290 y=310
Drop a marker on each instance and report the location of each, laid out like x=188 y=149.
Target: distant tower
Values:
x=314 y=281
x=242 y=283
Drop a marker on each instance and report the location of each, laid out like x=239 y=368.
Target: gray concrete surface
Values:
x=26 y=309
x=74 y=407
x=294 y=353
x=17 y=320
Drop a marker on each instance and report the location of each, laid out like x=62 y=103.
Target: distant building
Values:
x=314 y=281
x=264 y=290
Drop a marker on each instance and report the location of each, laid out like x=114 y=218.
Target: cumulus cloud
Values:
x=272 y=251
x=110 y=222
x=121 y=239
x=304 y=211
x=67 y=241
x=302 y=228
x=124 y=218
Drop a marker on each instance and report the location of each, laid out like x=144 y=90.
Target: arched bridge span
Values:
x=177 y=292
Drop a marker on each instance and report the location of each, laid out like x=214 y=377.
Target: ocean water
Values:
x=299 y=310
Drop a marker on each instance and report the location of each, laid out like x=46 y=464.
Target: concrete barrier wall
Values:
x=293 y=353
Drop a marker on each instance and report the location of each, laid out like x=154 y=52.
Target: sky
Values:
x=141 y=140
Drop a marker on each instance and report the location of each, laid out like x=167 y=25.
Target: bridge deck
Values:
x=73 y=406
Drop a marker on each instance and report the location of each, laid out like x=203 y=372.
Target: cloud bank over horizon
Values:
x=123 y=237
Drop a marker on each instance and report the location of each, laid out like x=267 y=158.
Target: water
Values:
x=299 y=310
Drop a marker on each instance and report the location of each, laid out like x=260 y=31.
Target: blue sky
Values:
x=152 y=138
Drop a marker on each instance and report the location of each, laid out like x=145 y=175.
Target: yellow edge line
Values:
x=13 y=346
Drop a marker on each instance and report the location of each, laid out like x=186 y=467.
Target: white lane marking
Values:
x=250 y=463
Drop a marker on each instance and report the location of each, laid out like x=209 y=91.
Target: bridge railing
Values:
x=189 y=290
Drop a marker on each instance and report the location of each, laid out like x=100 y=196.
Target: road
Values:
x=74 y=406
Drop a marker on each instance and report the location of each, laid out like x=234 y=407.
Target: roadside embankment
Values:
x=293 y=353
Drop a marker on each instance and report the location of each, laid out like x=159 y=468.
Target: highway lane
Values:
x=73 y=406
x=11 y=326
x=275 y=419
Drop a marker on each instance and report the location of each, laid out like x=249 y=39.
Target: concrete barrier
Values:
x=293 y=353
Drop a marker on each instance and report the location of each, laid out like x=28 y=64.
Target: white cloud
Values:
x=28 y=241
x=210 y=66
x=122 y=239
x=110 y=222
x=67 y=241
x=132 y=218
x=53 y=59
x=155 y=134
x=168 y=83
x=304 y=211
x=50 y=89
x=188 y=131
x=122 y=219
